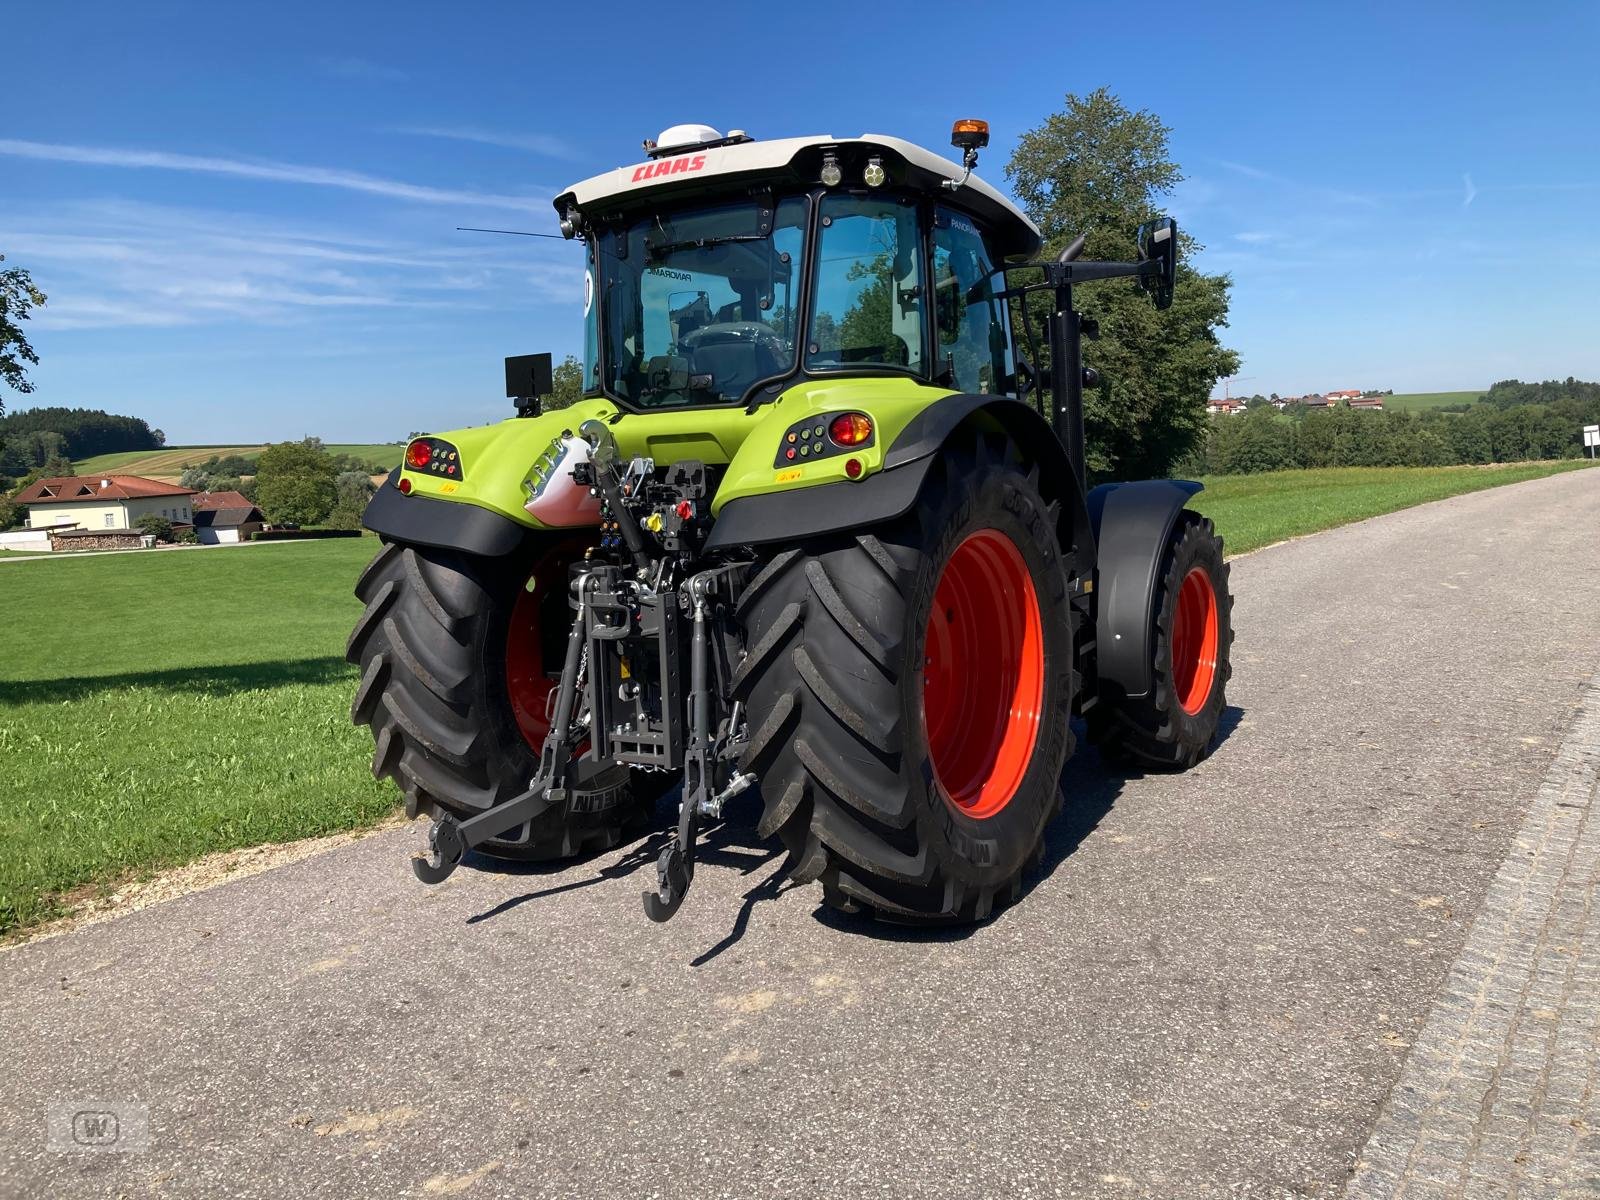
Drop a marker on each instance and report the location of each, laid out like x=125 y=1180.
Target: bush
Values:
x=158 y=525
x=10 y=514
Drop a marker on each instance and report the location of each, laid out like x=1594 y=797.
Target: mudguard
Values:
x=451 y=524
x=1132 y=523
x=890 y=493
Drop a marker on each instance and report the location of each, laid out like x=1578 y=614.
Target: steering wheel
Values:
x=728 y=333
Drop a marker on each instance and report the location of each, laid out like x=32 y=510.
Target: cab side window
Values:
x=868 y=306
x=974 y=327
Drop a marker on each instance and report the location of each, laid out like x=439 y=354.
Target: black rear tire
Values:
x=1161 y=731
x=432 y=648
x=837 y=631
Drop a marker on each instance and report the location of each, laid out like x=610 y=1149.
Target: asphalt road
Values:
x=1209 y=992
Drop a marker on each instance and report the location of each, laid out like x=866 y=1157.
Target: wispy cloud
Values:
x=1337 y=195
x=1258 y=237
x=112 y=264
x=1471 y=191
x=278 y=172
x=534 y=143
x=337 y=66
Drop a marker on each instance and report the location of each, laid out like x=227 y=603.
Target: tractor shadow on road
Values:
x=1091 y=784
x=730 y=843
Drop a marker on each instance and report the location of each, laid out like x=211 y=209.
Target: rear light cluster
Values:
x=433 y=457
x=825 y=436
x=851 y=429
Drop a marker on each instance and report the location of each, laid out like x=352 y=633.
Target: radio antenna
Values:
x=514 y=232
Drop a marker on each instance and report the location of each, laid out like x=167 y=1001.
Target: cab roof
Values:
x=693 y=170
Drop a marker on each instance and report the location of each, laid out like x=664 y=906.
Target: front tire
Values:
x=457 y=656
x=908 y=692
x=1175 y=726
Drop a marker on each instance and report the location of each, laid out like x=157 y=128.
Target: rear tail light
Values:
x=850 y=429
x=419 y=454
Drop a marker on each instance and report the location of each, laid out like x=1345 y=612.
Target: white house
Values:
x=103 y=502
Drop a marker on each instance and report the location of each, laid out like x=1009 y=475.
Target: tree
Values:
x=10 y=514
x=18 y=297
x=295 y=482
x=156 y=524
x=567 y=385
x=86 y=432
x=352 y=490
x=1100 y=169
x=197 y=478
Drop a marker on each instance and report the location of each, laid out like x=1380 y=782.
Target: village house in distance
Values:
x=223 y=518
x=1229 y=406
x=102 y=512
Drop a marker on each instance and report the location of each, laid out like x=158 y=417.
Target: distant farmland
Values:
x=170 y=461
x=1417 y=401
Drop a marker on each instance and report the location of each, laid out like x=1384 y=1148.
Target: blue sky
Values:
x=244 y=220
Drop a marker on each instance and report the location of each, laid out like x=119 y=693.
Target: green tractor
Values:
x=819 y=526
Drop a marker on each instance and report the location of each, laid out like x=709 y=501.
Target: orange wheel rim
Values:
x=528 y=683
x=1194 y=641
x=983 y=674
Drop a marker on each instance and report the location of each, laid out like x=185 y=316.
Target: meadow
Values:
x=1417 y=401
x=159 y=705
x=1251 y=511
x=171 y=461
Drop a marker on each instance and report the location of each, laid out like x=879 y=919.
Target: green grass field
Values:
x=170 y=461
x=1251 y=511
x=1417 y=401
x=155 y=707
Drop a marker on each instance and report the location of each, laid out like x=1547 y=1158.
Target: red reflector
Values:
x=852 y=468
x=850 y=429
x=405 y=487
x=419 y=455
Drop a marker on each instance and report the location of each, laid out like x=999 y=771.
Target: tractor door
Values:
x=973 y=323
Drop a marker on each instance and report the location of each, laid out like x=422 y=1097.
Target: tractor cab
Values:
x=724 y=268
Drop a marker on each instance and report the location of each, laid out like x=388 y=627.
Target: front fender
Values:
x=1132 y=524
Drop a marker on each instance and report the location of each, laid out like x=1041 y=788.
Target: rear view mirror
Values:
x=1158 y=243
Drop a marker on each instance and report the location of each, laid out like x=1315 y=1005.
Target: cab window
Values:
x=868 y=289
x=974 y=334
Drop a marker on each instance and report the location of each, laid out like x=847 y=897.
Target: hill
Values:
x=1417 y=401
x=169 y=461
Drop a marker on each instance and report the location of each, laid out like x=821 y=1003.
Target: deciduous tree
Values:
x=295 y=482
x=18 y=298
x=1100 y=169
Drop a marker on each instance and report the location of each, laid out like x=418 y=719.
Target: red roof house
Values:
x=101 y=502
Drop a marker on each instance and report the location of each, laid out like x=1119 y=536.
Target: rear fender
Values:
x=451 y=524
x=1132 y=524
x=891 y=492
